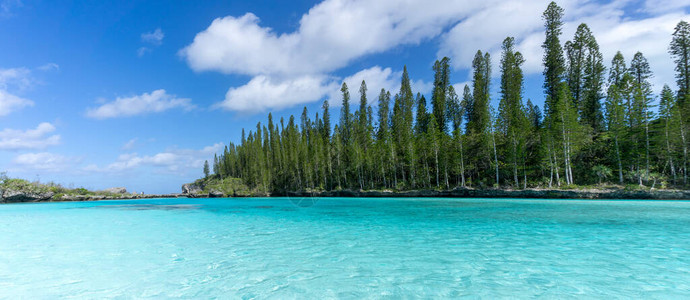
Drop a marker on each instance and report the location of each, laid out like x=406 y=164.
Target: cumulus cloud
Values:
x=17 y=79
x=292 y=68
x=154 y=102
x=45 y=162
x=38 y=138
x=263 y=92
x=334 y=33
x=172 y=160
x=330 y=35
x=376 y=78
x=10 y=103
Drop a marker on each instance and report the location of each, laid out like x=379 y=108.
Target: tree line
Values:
x=597 y=125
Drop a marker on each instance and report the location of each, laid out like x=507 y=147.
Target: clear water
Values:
x=346 y=248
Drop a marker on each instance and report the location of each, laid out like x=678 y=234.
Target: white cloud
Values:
x=45 y=162
x=266 y=93
x=41 y=137
x=662 y=6
x=172 y=160
x=376 y=79
x=16 y=77
x=263 y=92
x=155 y=37
x=330 y=35
x=10 y=103
x=333 y=33
x=154 y=102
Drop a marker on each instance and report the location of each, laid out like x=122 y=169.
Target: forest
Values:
x=599 y=125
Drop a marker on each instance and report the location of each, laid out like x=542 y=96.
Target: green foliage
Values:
x=602 y=172
x=206 y=169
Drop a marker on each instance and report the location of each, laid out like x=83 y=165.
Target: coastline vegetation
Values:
x=598 y=126
x=34 y=190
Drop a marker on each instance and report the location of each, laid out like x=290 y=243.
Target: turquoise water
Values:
x=346 y=248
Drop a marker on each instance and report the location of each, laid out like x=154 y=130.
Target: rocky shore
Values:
x=18 y=196
x=506 y=193
x=12 y=196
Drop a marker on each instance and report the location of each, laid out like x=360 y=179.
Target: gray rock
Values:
x=190 y=188
x=22 y=196
x=215 y=194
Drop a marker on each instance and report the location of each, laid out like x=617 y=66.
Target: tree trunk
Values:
x=620 y=164
x=668 y=151
x=685 y=151
x=515 y=165
x=462 y=164
x=436 y=162
x=493 y=138
x=646 y=132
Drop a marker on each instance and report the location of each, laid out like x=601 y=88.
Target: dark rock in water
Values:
x=215 y=194
x=23 y=196
x=74 y=198
x=116 y=190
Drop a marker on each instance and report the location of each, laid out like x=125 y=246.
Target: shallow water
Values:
x=346 y=248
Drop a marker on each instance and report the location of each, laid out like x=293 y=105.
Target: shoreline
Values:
x=591 y=194
x=599 y=194
x=506 y=193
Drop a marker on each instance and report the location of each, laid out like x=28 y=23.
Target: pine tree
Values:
x=328 y=152
x=206 y=170
x=668 y=114
x=512 y=121
x=680 y=50
x=440 y=92
x=554 y=62
x=385 y=150
x=456 y=111
x=616 y=117
x=641 y=113
x=585 y=76
x=554 y=68
x=479 y=118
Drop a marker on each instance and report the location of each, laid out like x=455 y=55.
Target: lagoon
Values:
x=348 y=248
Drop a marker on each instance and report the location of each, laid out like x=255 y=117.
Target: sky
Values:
x=138 y=94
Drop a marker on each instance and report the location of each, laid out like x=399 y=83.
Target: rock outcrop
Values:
x=215 y=194
x=191 y=188
x=10 y=196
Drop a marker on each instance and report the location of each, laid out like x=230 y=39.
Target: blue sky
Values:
x=139 y=93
